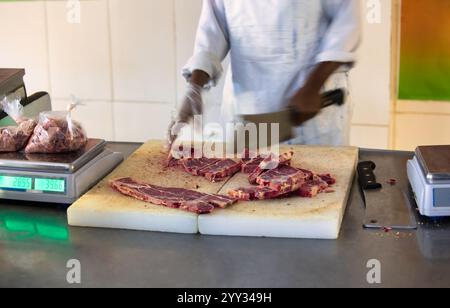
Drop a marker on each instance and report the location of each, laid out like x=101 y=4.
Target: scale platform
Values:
x=55 y=178
x=429 y=175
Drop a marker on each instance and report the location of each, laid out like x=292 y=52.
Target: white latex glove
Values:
x=191 y=106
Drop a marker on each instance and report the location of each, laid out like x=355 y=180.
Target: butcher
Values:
x=282 y=53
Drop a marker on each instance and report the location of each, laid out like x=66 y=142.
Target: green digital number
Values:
x=49 y=185
x=15 y=182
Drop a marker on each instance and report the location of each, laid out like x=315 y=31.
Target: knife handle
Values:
x=335 y=97
x=367 y=177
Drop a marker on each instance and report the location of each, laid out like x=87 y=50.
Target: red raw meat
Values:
x=55 y=135
x=220 y=170
x=248 y=155
x=184 y=199
x=282 y=178
x=309 y=173
x=15 y=138
x=255 y=193
x=213 y=169
x=250 y=166
x=194 y=166
x=328 y=178
x=313 y=187
x=269 y=163
x=177 y=154
x=309 y=191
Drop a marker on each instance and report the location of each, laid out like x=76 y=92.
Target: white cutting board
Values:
x=105 y=208
x=320 y=217
x=316 y=218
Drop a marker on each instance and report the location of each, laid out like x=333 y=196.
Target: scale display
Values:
x=441 y=197
x=16 y=182
x=23 y=183
x=50 y=185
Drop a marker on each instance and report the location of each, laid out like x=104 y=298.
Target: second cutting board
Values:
x=295 y=217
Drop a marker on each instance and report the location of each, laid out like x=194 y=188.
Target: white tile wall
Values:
x=370 y=137
x=24 y=43
x=79 y=53
x=125 y=58
x=187 y=13
x=143 y=50
x=140 y=122
x=96 y=117
x=370 y=79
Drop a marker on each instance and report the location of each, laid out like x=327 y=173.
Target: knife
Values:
x=386 y=205
x=286 y=117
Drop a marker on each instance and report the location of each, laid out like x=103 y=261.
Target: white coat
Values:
x=273 y=44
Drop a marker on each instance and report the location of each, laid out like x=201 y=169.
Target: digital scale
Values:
x=55 y=178
x=429 y=175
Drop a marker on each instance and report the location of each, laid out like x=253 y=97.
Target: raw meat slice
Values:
x=282 y=178
x=254 y=193
x=194 y=166
x=184 y=199
x=328 y=178
x=250 y=166
x=310 y=174
x=313 y=187
x=199 y=207
x=177 y=154
x=308 y=191
x=248 y=155
x=220 y=170
x=270 y=163
x=219 y=200
x=213 y=169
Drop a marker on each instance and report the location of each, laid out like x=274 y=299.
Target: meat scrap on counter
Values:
x=178 y=198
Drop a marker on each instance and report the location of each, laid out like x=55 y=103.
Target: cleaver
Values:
x=285 y=118
x=386 y=205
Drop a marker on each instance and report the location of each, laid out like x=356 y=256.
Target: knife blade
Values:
x=285 y=117
x=386 y=205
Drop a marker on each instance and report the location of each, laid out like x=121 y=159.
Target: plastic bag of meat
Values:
x=15 y=138
x=56 y=133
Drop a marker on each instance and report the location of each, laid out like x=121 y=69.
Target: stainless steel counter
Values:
x=36 y=244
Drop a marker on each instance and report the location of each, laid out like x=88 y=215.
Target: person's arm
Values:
x=338 y=48
x=211 y=44
x=204 y=68
x=200 y=78
x=307 y=100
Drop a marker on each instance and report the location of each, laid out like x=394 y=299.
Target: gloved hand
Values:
x=191 y=106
